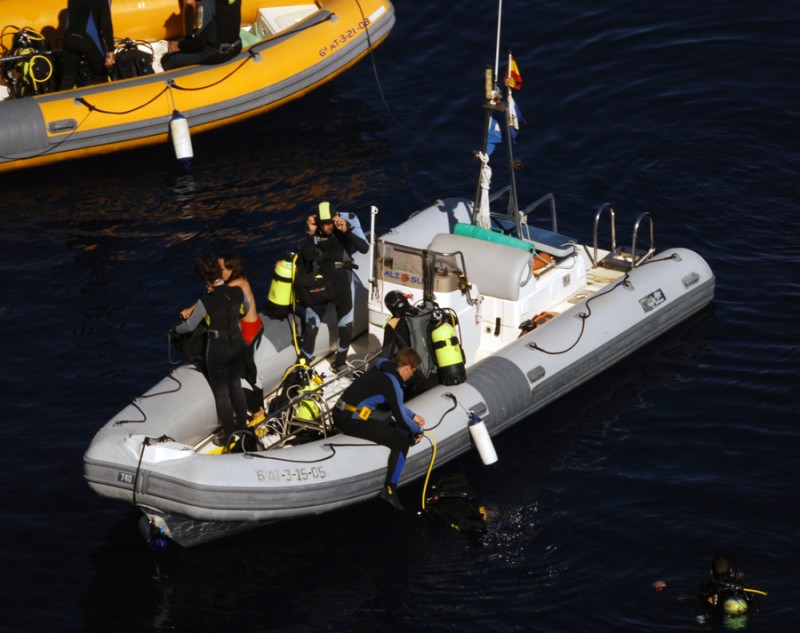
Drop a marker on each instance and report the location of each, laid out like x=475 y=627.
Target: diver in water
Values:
x=724 y=593
x=723 y=597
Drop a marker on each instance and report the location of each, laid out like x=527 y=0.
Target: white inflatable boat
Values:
x=537 y=314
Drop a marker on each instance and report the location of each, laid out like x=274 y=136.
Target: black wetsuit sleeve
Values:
x=356 y=241
x=190 y=324
x=106 y=26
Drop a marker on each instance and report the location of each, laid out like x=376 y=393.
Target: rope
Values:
x=624 y=282
x=149 y=395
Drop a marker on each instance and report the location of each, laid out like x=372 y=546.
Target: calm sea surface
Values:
x=688 y=110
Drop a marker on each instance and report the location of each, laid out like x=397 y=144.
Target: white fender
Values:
x=483 y=442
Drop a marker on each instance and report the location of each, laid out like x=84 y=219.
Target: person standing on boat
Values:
x=354 y=414
x=221 y=308
x=328 y=251
x=215 y=38
x=89 y=36
x=233 y=274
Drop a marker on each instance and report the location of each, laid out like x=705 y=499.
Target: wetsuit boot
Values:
x=389 y=495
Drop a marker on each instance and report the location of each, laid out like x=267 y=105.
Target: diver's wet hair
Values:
x=720 y=567
x=207 y=268
x=235 y=264
x=407 y=356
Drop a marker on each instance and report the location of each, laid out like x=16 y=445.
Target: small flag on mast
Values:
x=513 y=78
x=494 y=137
x=514 y=117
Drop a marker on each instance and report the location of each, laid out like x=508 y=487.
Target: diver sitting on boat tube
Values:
x=354 y=414
x=215 y=38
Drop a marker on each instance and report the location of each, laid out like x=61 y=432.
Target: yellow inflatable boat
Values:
x=289 y=47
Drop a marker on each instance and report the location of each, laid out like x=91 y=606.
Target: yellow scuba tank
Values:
x=279 y=299
x=308 y=409
x=449 y=358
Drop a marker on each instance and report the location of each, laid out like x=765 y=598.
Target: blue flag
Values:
x=495 y=136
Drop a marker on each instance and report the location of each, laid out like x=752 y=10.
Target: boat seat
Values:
x=550 y=242
x=498 y=270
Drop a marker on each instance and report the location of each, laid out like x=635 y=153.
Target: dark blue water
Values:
x=687 y=110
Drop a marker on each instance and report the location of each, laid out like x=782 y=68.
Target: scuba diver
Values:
x=221 y=308
x=89 y=31
x=354 y=414
x=723 y=597
x=326 y=256
x=215 y=38
x=724 y=594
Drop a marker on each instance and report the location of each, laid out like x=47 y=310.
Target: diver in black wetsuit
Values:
x=354 y=414
x=328 y=250
x=215 y=38
x=724 y=593
x=79 y=43
x=222 y=307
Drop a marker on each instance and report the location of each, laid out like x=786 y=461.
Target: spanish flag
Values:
x=513 y=78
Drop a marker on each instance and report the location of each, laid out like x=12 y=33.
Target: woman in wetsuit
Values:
x=233 y=275
x=221 y=308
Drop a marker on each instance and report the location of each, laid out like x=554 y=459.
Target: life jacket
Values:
x=420 y=326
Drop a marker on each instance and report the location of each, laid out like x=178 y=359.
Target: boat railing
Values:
x=652 y=249
x=622 y=258
x=549 y=198
x=522 y=229
x=604 y=207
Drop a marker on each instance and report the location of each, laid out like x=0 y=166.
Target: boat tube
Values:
x=290 y=47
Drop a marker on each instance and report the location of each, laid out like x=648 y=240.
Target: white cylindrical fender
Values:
x=483 y=442
x=181 y=138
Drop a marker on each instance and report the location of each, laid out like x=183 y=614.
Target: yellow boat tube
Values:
x=291 y=48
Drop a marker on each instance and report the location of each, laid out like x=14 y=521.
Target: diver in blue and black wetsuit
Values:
x=382 y=385
x=90 y=36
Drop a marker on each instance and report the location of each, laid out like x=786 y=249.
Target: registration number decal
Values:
x=651 y=301
x=344 y=37
x=291 y=474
